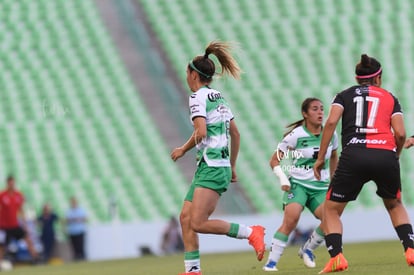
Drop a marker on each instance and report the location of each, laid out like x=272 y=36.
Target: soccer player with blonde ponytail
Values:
x=217 y=141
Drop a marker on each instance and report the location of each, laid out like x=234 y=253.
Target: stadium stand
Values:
x=290 y=50
x=73 y=123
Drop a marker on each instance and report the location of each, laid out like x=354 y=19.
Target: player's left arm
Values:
x=200 y=132
x=84 y=217
x=409 y=142
x=22 y=217
x=234 y=148
x=397 y=125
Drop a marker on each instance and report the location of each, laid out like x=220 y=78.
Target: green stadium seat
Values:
x=289 y=52
x=74 y=118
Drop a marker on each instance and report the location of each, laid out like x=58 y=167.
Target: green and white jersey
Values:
x=210 y=104
x=300 y=148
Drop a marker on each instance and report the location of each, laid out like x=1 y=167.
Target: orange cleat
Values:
x=335 y=264
x=256 y=240
x=409 y=256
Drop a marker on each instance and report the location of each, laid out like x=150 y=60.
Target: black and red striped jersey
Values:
x=366 y=118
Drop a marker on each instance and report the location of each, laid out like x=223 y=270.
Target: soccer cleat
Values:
x=409 y=256
x=270 y=266
x=308 y=257
x=256 y=240
x=335 y=264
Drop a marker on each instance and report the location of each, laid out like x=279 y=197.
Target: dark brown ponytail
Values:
x=205 y=66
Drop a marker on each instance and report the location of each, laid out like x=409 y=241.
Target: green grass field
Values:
x=379 y=258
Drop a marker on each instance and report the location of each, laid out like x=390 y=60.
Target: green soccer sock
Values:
x=234 y=230
x=315 y=240
x=192 y=261
x=279 y=243
x=239 y=231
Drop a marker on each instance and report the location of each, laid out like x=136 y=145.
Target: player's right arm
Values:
x=278 y=171
x=333 y=162
x=275 y=160
x=288 y=142
x=328 y=131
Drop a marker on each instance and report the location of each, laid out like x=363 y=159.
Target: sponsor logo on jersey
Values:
x=290 y=154
x=212 y=97
x=336 y=195
x=222 y=109
x=356 y=140
x=195 y=108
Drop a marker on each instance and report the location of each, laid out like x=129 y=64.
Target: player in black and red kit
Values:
x=373 y=136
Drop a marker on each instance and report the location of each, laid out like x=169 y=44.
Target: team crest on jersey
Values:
x=290 y=196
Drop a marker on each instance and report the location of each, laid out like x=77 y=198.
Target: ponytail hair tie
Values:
x=206 y=55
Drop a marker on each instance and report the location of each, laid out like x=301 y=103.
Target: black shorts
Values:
x=357 y=166
x=16 y=233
